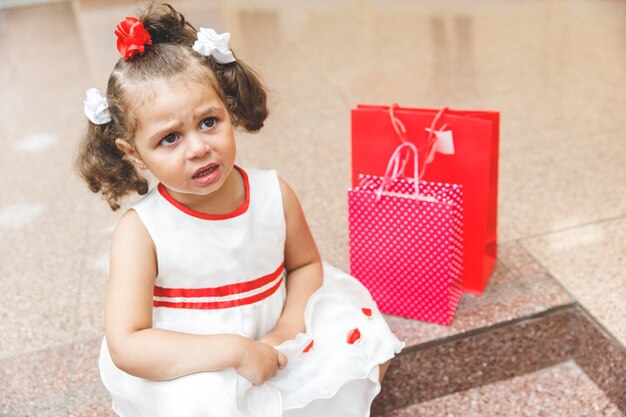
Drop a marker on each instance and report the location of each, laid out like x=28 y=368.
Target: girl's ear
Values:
x=128 y=149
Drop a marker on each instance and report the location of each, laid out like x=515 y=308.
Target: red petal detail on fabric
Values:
x=353 y=336
x=308 y=347
x=367 y=311
x=132 y=37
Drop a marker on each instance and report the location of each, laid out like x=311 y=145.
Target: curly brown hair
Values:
x=100 y=163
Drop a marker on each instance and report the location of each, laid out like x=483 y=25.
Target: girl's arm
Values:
x=304 y=270
x=140 y=350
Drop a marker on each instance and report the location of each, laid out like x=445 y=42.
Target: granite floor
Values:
x=553 y=68
x=553 y=391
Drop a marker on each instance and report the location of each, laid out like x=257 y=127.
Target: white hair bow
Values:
x=212 y=43
x=96 y=107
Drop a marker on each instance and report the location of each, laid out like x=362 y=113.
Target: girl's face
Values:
x=184 y=136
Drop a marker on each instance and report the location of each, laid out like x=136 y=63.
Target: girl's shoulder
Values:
x=130 y=231
x=150 y=198
x=149 y=209
x=262 y=173
x=260 y=179
x=269 y=178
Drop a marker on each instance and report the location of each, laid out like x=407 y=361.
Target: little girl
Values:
x=218 y=303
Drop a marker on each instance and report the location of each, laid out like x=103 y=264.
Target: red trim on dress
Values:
x=207 y=216
x=239 y=288
x=220 y=304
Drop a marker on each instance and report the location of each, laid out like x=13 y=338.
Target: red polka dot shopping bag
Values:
x=406 y=241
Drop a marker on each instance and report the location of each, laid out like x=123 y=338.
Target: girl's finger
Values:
x=282 y=360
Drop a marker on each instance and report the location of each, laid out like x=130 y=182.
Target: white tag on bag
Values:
x=445 y=143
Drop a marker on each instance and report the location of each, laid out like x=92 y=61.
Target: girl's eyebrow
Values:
x=158 y=135
x=204 y=110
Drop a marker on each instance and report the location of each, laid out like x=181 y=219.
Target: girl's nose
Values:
x=197 y=146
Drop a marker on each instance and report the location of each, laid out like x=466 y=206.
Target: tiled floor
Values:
x=553 y=391
x=554 y=68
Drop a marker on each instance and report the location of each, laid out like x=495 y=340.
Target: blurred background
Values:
x=555 y=69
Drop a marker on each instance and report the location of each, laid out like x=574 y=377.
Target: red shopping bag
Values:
x=406 y=242
x=473 y=162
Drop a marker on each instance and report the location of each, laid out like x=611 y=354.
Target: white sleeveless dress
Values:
x=225 y=274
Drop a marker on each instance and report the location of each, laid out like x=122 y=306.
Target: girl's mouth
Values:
x=206 y=175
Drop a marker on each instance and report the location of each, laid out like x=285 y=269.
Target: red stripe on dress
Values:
x=230 y=289
x=220 y=304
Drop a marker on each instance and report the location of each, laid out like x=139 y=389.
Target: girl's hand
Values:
x=260 y=362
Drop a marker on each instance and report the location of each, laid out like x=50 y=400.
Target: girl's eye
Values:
x=208 y=123
x=169 y=140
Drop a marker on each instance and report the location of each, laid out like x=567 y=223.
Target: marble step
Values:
x=524 y=322
x=562 y=390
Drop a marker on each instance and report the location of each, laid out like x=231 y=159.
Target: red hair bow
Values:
x=131 y=37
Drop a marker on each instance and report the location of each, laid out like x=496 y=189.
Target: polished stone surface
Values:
x=590 y=262
x=554 y=68
x=602 y=358
x=430 y=371
x=561 y=390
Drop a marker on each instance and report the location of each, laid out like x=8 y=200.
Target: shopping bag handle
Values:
x=400 y=129
x=395 y=168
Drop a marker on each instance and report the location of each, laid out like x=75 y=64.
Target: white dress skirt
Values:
x=225 y=274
